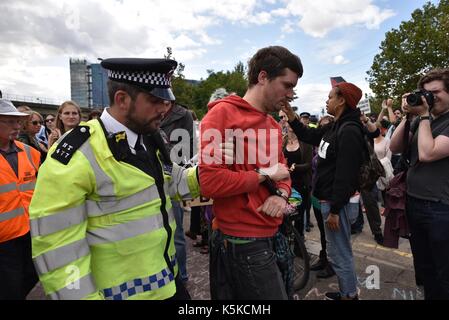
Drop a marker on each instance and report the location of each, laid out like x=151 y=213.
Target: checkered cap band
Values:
x=142 y=77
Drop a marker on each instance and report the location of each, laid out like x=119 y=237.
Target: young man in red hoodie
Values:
x=247 y=216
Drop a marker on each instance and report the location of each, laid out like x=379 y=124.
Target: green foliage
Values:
x=407 y=53
x=196 y=96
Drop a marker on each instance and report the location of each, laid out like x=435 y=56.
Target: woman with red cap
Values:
x=341 y=153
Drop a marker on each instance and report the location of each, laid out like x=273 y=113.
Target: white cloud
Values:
x=288 y=27
x=37 y=38
x=32 y=34
x=332 y=51
x=318 y=17
x=261 y=18
x=340 y=60
x=312 y=97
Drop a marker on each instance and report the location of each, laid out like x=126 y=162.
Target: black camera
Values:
x=414 y=99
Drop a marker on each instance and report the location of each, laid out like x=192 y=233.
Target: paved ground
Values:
x=392 y=268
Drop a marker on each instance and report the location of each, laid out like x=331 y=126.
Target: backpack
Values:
x=371 y=169
x=396 y=224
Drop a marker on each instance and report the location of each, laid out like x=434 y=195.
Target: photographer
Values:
x=427 y=180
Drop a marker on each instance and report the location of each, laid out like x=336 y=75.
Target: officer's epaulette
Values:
x=70 y=143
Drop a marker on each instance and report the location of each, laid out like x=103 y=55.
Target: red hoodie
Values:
x=235 y=188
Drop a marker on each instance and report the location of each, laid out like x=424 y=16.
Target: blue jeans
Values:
x=339 y=247
x=180 y=241
x=429 y=226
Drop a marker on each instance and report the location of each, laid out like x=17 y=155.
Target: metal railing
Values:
x=31 y=99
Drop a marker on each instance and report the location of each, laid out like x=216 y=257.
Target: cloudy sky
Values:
x=332 y=38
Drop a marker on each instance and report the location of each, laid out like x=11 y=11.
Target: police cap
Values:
x=304 y=115
x=151 y=75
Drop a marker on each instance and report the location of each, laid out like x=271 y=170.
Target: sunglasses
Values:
x=50 y=120
x=35 y=123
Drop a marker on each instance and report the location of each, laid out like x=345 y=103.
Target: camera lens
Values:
x=414 y=100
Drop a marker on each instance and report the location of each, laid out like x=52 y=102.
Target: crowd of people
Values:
x=95 y=209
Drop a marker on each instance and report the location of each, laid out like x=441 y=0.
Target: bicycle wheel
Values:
x=301 y=258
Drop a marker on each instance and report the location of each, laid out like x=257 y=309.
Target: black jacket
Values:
x=302 y=175
x=339 y=159
x=179 y=118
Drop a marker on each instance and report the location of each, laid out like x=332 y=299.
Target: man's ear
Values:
x=122 y=99
x=263 y=77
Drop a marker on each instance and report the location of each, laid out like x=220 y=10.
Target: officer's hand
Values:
x=333 y=222
x=274 y=206
x=223 y=154
x=291 y=115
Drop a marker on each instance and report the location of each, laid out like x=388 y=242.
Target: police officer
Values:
x=101 y=217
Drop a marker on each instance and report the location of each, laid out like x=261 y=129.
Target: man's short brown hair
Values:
x=273 y=60
x=435 y=74
x=114 y=86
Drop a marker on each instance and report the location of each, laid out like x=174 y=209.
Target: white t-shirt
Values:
x=382 y=149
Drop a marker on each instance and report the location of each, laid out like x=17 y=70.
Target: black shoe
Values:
x=307 y=229
x=319 y=265
x=356 y=231
x=311 y=225
x=337 y=296
x=327 y=272
x=379 y=238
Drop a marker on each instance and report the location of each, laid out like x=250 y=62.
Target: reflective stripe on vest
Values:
x=105 y=186
x=28 y=153
x=8 y=187
x=11 y=214
x=136 y=286
x=58 y=221
x=62 y=256
x=27 y=186
x=127 y=230
x=100 y=208
x=77 y=290
x=179 y=183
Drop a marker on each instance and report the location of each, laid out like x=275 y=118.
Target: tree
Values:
x=196 y=95
x=407 y=53
x=234 y=81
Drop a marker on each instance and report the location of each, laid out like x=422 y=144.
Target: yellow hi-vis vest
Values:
x=99 y=227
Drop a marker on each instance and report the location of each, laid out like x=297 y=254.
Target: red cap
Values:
x=351 y=93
